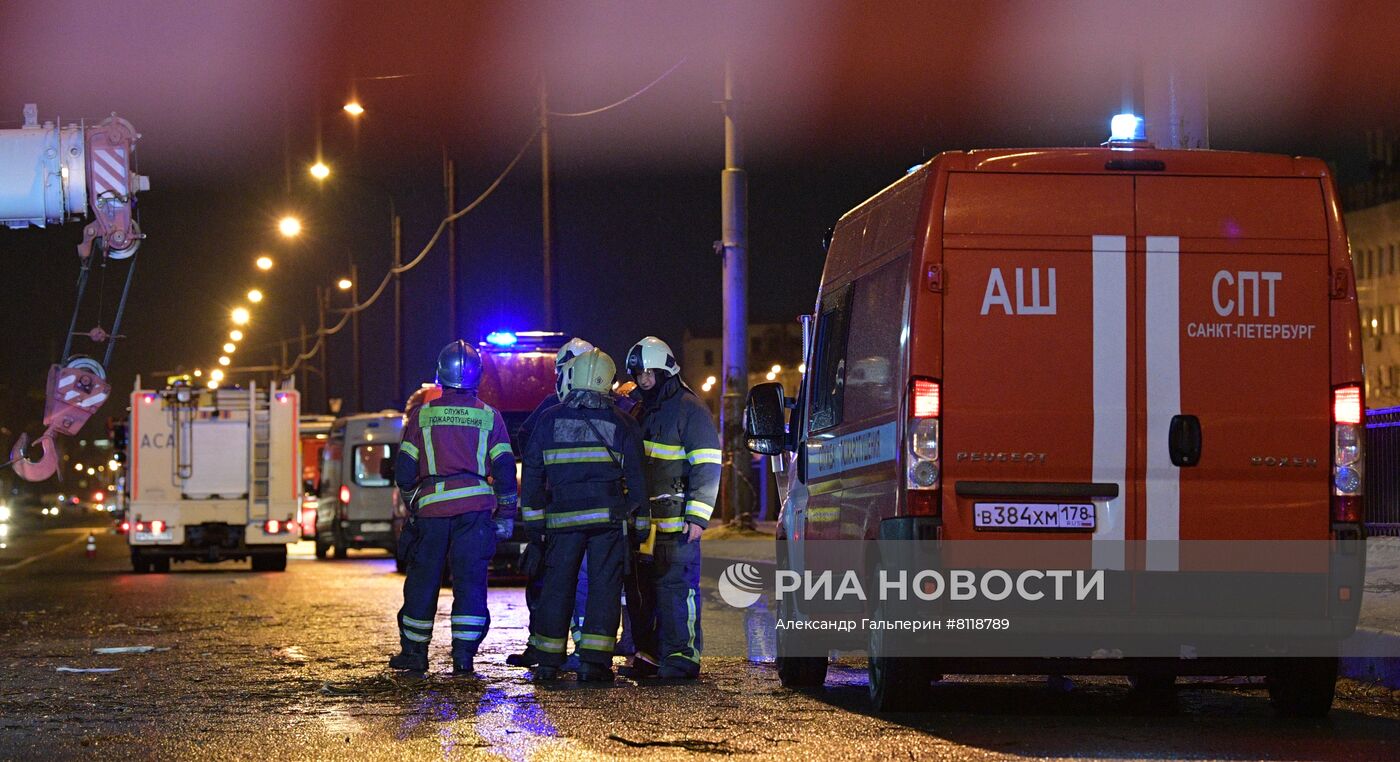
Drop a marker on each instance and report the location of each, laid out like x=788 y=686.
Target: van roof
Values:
x=1139 y=158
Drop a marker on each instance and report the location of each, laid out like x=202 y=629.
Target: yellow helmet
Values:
x=593 y=371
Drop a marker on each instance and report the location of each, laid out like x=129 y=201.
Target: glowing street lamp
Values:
x=264 y=263
x=344 y=284
x=216 y=375
x=223 y=360
x=235 y=335
x=198 y=372
x=229 y=347
x=240 y=315
x=255 y=296
x=289 y=226
x=213 y=384
x=320 y=171
x=353 y=108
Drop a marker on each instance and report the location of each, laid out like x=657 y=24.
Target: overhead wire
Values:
x=614 y=105
x=347 y=313
x=321 y=333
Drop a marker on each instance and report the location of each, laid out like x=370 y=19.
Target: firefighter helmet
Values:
x=459 y=366
x=651 y=353
x=592 y=371
x=568 y=352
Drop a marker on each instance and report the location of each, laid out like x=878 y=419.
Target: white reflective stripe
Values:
x=414 y=636
x=1163 y=342
x=705 y=455
x=1110 y=395
x=699 y=510
x=426 y=624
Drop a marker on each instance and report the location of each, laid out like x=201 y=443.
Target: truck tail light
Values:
x=1348 y=455
x=272 y=526
x=925 y=451
x=157 y=526
x=126 y=527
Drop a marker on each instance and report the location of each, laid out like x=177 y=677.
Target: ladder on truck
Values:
x=259 y=453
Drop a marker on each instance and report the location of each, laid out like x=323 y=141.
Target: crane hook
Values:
x=35 y=470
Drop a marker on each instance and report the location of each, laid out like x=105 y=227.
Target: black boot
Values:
x=594 y=673
x=527 y=658
x=412 y=657
x=546 y=674
x=463 y=664
x=639 y=669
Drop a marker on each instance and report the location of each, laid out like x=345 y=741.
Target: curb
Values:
x=1359 y=661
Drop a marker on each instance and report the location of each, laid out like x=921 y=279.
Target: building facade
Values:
x=1374 y=234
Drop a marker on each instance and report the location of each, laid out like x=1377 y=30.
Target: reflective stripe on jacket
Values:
x=569 y=479
x=456 y=441
x=682 y=458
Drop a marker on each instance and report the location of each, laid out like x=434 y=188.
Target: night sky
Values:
x=235 y=99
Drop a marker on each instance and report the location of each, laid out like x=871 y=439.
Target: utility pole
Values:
x=322 y=297
x=449 y=192
x=1175 y=110
x=305 y=384
x=398 y=309
x=544 y=207
x=734 y=248
x=355 y=337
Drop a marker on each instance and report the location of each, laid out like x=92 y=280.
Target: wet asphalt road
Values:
x=292 y=665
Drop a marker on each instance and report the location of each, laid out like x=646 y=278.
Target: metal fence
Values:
x=1383 y=471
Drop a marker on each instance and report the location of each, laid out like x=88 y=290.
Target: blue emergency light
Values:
x=1126 y=127
x=501 y=338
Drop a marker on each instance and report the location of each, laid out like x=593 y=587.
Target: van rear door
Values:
x=1036 y=365
x=1234 y=338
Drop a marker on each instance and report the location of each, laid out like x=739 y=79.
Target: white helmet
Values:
x=571 y=349
x=651 y=353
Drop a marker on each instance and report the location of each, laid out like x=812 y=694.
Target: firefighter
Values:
x=588 y=453
x=682 y=469
x=451 y=446
x=529 y=658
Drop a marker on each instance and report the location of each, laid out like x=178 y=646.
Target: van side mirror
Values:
x=386 y=466
x=765 y=423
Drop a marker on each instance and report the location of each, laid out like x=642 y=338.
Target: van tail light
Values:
x=157 y=526
x=1348 y=455
x=126 y=527
x=925 y=450
x=344 y=494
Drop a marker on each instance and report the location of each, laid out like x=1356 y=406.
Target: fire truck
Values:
x=1146 y=361
x=215 y=475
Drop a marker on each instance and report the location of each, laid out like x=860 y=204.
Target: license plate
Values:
x=376 y=526
x=1031 y=516
x=165 y=536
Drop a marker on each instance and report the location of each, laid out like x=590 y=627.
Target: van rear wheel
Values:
x=796 y=671
x=161 y=565
x=321 y=548
x=139 y=563
x=1303 y=687
x=276 y=561
x=899 y=683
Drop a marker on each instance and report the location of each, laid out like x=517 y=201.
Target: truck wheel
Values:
x=271 y=561
x=321 y=548
x=338 y=549
x=139 y=563
x=796 y=671
x=160 y=565
x=897 y=683
x=1300 y=687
